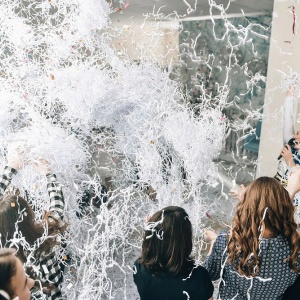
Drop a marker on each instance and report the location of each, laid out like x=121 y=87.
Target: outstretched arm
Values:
x=214 y=260
x=210 y=236
x=57 y=203
x=14 y=162
x=6 y=178
x=293 y=185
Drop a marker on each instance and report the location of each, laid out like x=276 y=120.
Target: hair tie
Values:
x=4 y=294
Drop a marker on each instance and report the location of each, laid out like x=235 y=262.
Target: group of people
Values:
x=27 y=241
x=256 y=258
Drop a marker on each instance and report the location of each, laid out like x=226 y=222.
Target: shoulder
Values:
x=136 y=266
x=139 y=269
x=200 y=271
x=203 y=279
x=222 y=239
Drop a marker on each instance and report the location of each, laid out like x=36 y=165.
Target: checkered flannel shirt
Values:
x=50 y=268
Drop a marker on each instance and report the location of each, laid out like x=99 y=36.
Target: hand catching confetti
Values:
x=15 y=157
x=41 y=166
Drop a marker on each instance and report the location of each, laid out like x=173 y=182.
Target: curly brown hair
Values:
x=264 y=195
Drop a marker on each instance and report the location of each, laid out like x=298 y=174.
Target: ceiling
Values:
x=185 y=9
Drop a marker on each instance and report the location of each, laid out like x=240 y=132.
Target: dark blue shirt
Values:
x=272 y=280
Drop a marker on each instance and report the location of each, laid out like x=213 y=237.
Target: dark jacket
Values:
x=194 y=285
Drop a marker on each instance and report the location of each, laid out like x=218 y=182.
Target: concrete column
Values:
x=284 y=57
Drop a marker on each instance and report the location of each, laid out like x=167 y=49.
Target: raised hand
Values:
x=286 y=153
x=293 y=185
x=209 y=235
x=238 y=192
x=15 y=156
x=41 y=166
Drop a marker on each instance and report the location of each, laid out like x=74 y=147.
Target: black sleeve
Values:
x=6 y=178
x=206 y=284
x=137 y=276
x=293 y=292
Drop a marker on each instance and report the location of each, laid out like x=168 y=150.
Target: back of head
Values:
x=167 y=243
x=265 y=204
x=15 y=214
x=7 y=271
x=266 y=194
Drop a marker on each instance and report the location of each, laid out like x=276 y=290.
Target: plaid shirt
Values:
x=49 y=267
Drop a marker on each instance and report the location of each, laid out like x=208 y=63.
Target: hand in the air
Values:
x=41 y=166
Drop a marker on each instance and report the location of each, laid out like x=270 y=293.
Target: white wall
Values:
x=284 y=57
x=158 y=42
x=153 y=41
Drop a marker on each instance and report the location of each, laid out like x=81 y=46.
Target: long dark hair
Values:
x=7 y=271
x=16 y=214
x=167 y=243
x=264 y=202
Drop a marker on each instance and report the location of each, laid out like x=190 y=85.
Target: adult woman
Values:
x=13 y=280
x=259 y=257
x=165 y=269
x=34 y=240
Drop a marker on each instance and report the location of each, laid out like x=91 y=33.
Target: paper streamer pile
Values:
x=66 y=96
